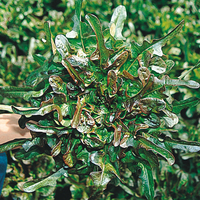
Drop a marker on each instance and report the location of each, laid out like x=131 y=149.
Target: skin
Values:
x=9 y=128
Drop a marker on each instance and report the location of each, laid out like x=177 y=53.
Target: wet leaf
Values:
x=171 y=118
x=77 y=21
x=176 y=82
x=39 y=111
x=148 y=145
x=117 y=22
x=118 y=61
x=143 y=74
x=38 y=141
x=49 y=41
x=182 y=145
x=108 y=170
x=62 y=45
x=158 y=65
x=68 y=159
x=32 y=186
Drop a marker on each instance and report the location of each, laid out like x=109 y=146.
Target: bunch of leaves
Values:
x=101 y=107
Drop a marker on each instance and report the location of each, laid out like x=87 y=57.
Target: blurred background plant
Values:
x=21 y=33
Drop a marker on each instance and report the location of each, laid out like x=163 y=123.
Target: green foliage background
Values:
x=21 y=33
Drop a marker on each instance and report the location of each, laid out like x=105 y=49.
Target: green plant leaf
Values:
x=12 y=144
x=32 y=186
x=176 y=82
x=181 y=144
x=117 y=22
x=155 y=46
x=101 y=52
x=171 y=118
x=49 y=41
x=187 y=103
x=77 y=21
x=102 y=178
x=40 y=111
x=147 y=180
x=39 y=59
x=47 y=130
x=148 y=145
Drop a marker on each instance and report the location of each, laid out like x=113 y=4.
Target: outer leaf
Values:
x=12 y=144
x=176 y=82
x=117 y=22
x=14 y=92
x=41 y=111
x=47 y=130
x=179 y=105
x=151 y=146
x=156 y=45
x=32 y=186
x=183 y=145
x=147 y=180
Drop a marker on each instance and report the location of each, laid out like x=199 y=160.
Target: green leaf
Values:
x=155 y=46
x=76 y=31
x=102 y=178
x=148 y=145
x=62 y=45
x=36 y=141
x=72 y=72
x=14 y=92
x=147 y=180
x=117 y=22
x=187 y=103
x=176 y=82
x=57 y=84
x=39 y=59
x=40 y=111
x=101 y=52
x=181 y=144
x=49 y=41
x=171 y=118
x=12 y=144
x=32 y=186
x=47 y=130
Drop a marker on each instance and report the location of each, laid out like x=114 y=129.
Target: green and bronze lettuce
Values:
x=101 y=105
